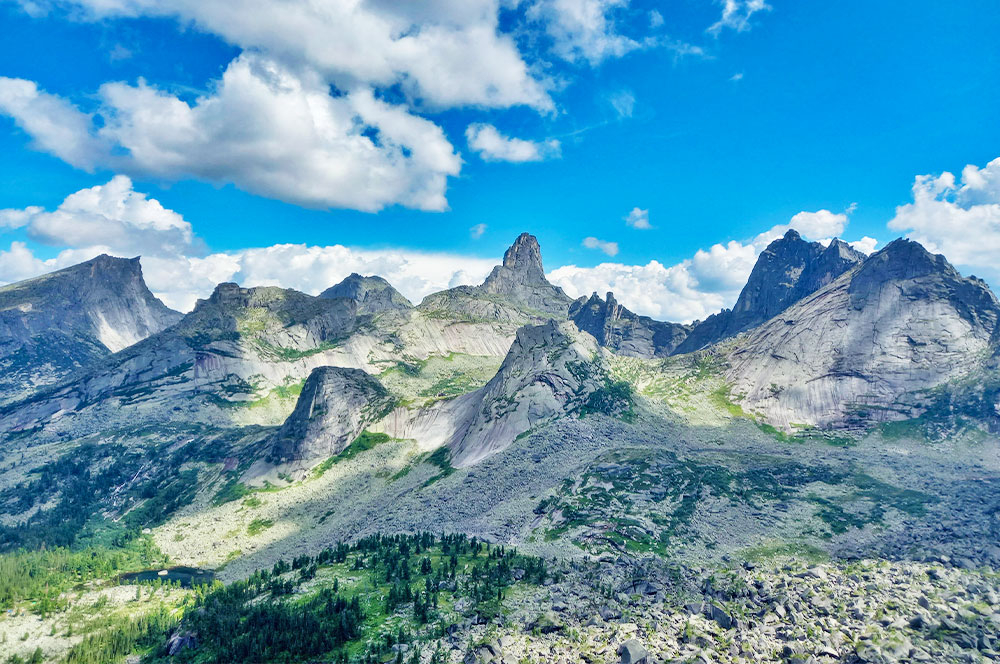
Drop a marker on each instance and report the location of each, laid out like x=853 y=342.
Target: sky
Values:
x=655 y=148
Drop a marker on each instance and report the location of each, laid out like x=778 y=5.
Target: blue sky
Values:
x=720 y=121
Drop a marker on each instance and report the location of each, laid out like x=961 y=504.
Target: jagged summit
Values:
x=55 y=323
x=858 y=350
x=515 y=291
x=624 y=332
x=786 y=271
x=372 y=294
x=522 y=265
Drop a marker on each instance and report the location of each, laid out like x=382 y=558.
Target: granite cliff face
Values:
x=514 y=292
x=788 y=270
x=551 y=371
x=335 y=406
x=372 y=295
x=854 y=352
x=623 y=332
x=56 y=323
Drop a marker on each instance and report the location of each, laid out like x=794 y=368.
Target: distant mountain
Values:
x=786 y=271
x=514 y=292
x=56 y=323
x=624 y=332
x=902 y=321
x=371 y=294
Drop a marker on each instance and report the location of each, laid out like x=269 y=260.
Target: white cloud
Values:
x=738 y=76
x=819 y=225
x=655 y=19
x=443 y=52
x=477 y=231
x=279 y=133
x=736 y=15
x=12 y=218
x=959 y=220
x=610 y=248
x=865 y=245
x=55 y=125
x=113 y=215
x=494 y=146
x=623 y=102
x=583 y=30
x=638 y=218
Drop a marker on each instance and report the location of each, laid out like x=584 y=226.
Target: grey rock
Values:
x=57 y=323
x=372 y=295
x=857 y=350
x=335 y=406
x=633 y=652
x=786 y=271
x=515 y=291
x=624 y=332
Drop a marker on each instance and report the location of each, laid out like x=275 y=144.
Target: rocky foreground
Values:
x=863 y=611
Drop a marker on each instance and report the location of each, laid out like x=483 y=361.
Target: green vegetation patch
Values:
x=643 y=501
x=365 y=441
x=353 y=602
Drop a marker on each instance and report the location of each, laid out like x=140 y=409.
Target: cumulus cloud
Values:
x=494 y=146
x=293 y=141
x=610 y=248
x=960 y=219
x=736 y=15
x=441 y=52
x=55 y=125
x=638 y=218
x=818 y=225
x=477 y=231
x=113 y=215
x=113 y=218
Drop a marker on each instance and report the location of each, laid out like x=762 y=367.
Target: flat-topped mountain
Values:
x=514 y=292
x=53 y=324
x=372 y=294
x=786 y=271
x=902 y=321
x=624 y=332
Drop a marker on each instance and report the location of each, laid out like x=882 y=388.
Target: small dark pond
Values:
x=187 y=576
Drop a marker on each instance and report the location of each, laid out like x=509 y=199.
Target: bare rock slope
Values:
x=335 y=406
x=552 y=370
x=902 y=322
x=371 y=294
x=788 y=270
x=623 y=332
x=56 y=323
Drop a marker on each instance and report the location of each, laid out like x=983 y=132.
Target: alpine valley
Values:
x=503 y=474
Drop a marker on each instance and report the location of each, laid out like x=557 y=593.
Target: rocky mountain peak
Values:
x=853 y=352
x=525 y=255
x=55 y=323
x=522 y=266
x=524 y=292
x=624 y=332
x=372 y=294
x=789 y=269
x=335 y=406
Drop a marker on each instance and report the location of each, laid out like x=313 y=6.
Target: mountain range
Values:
x=847 y=405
